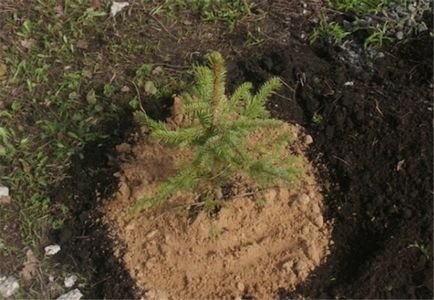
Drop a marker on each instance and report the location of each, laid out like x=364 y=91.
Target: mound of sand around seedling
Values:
x=262 y=241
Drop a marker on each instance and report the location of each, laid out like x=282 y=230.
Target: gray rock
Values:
x=70 y=281
x=4 y=191
x=75 y=294
x=399 y=35
x=51 y=249
x=8 y=286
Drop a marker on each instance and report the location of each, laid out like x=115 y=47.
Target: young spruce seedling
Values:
x=217 y=133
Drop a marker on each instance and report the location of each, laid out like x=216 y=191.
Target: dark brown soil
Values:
x=84 y=238
x=375 y=144
x=10 y=239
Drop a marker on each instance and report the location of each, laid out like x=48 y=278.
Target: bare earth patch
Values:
x=253 y=247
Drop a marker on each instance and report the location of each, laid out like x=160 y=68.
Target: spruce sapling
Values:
x=217 y=133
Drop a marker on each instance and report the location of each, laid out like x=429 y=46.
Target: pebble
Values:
x=8 y=286
x=308 y=139
x=305 y=230
x=125 y=89
x=70 y=281
x=4 y=191
x=399 y=35
x=116 y=7
x=319 y=221
x=124 y=190
x=130 y=227
x=304 y=199
x=315 y=209
x=288 y=265
x=151 y=234
x=240 y=286
x=123 y=148
x=75 y=294
x=51 y=249
x=300 y=267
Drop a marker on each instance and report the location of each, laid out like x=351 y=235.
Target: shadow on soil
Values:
x=372 y=143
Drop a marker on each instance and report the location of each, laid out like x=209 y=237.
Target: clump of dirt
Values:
x=247 y=249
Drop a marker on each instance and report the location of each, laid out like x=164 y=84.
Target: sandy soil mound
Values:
x=253 y=247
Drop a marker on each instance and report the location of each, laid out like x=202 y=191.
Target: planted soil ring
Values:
x=244 y=250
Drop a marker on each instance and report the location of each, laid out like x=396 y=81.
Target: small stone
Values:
x=125 y=89
x=319 y=221
x=304 y=199
x=308 y=139
x=123 y=148
x=8 y=286
x=75 y=294
x=130 y=227
x=288 y=265
x=399 y=35
x=116 y=7
x=315 y=209
x=151 y=234
x=4 y=191
x=240 y=286
x=70 y=281
x=300 y=267
x=51 y=250
x=305 y=230
x=124 y=190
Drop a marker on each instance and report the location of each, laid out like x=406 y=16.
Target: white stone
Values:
x=75 y=294
x=349 y=83
x=8 y=286
x=4 y=191
x=70 y=281
x=117 y=7
x=308 y=139
x=51 y=250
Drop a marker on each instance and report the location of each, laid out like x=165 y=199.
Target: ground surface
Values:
x=372 y=138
